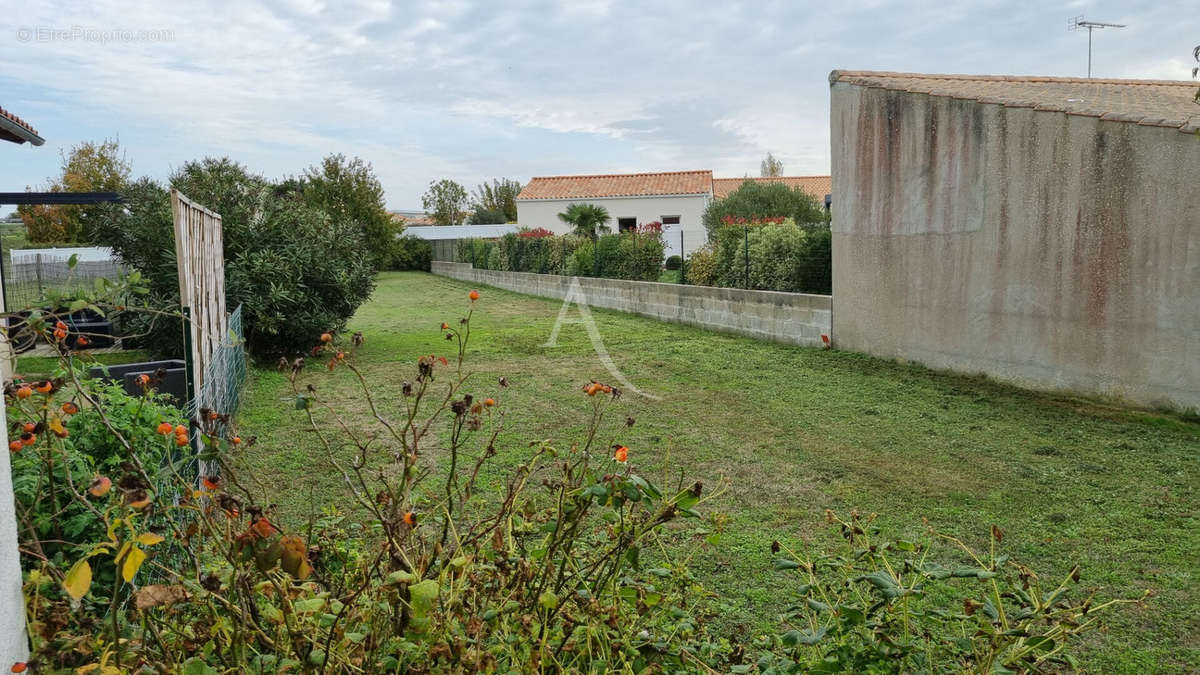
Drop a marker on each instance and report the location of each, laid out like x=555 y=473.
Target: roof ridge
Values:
x=815 y=175
x=837 y=74
x=618 y=175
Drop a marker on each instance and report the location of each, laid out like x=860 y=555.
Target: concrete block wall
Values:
x=792 y=318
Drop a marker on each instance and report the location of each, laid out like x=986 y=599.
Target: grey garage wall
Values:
x=793 y=318
x=1052 y=251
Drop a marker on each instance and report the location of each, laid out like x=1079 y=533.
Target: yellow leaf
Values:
x=133 y=561
x=78 y=579
x=149 y=539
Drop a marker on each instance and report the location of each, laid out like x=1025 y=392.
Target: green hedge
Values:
x=635 y=256
x=782 y=256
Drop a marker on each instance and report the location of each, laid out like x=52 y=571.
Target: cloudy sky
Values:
x=475 y=90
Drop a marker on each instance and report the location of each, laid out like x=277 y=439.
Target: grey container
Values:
x=173 y=382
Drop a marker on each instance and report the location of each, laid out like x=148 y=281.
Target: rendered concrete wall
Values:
x=1052 y=251
x=13 y=646
x=793 y=318
x=689 y=208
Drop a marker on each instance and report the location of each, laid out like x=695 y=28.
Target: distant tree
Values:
x=764 y=200
x=446 y=201
x=771 y=167
x=88 y=167
x=486 y=216
x=499 y=195
x=347 y=190
x=588 y=219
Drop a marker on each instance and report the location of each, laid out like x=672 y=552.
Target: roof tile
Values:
x=18 y=121
x=816 y=186
x=618 y=185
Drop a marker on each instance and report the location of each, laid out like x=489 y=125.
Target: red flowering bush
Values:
x=535 y=233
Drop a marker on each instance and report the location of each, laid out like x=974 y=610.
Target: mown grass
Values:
x=794 y=431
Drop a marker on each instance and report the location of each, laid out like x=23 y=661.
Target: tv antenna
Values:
x=1077 y=22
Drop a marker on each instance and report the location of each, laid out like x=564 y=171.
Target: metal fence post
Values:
x=682 y=258
x=37 y=272
x=746 y=244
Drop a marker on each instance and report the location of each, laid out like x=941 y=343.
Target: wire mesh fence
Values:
x=221 y=392
x=29 y=276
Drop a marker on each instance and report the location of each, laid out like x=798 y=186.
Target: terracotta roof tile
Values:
x=18 y=121
x=1165 y=103
x=815 y=186
x=618 y=185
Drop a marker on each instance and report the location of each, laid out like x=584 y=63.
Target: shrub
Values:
x=885 y=605
x=674 y=262
x=295 y=271
x=409 y=253
x=702 y=266
x=347 y=190
x=475 y=251
x=562 y=566
x=95 y=440
x=630 y=255
x=763 y=200
x=782 y=257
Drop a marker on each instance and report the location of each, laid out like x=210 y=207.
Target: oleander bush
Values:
x=294 y=269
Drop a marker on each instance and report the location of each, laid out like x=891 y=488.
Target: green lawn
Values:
x=795 y=431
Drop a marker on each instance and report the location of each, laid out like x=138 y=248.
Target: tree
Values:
x=588 y=219
x=88 y=167
x=764 y=200
x=486 y=216
x=500 y=195
x=771 y=167
x=296 y=271
x=348 y=190
x=446 y=201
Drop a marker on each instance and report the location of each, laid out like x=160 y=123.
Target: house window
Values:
x=670 y=220
x=626 y=224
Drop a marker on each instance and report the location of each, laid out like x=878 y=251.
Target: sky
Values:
x=472 y=91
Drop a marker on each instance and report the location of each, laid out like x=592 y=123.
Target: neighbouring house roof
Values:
x=411 y=218
x=815 y=186
x=17 y=130
x=1160 y=103
x=441 y=232
x=618 y=185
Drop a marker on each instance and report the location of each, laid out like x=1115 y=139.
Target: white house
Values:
x=676 y=199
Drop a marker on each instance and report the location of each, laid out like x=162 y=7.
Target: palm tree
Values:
x=589 y=220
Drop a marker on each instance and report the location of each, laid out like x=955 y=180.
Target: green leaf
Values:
x=816 y=605
x=978 y=573
x=309 y=605
x=548 y=600
x=785 y=564
x=646 y=486
x=794 y=638
x=197 y=666
x=422 y=597
x=72 y=261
